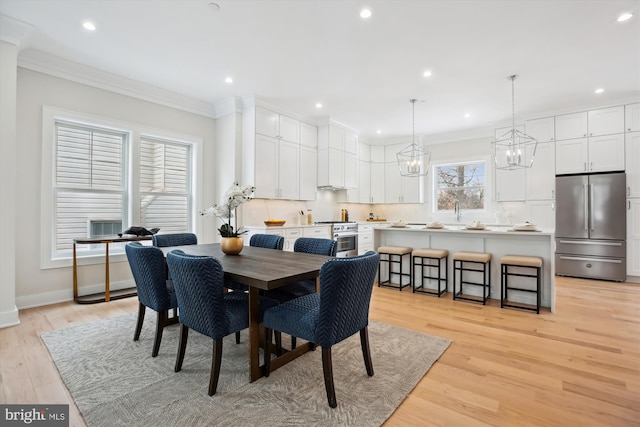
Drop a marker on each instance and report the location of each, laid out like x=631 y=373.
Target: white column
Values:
x=8 y=162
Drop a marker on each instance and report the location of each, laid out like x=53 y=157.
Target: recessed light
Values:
x=378 y=131
x=599 y=90
x=467 y=115
x=427 y=73
x=88 y=25
x=228 y=80
x=625 y=17
x=318 y=105
x=365 y=13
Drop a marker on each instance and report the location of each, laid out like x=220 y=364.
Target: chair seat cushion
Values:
x=523 y=261
x=472 y=256
x=236 y=305
x=430 y=253
x=298 y=317
x=395 y=250
x=292 y=291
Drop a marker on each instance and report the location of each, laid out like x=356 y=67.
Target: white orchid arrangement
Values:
x=234 y=197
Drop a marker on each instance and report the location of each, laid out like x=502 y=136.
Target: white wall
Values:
x=36 y=286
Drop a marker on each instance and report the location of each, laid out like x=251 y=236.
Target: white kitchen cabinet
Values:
x=337 y=167
x=510 y=185
x=594 y=154
x=336 y=137
x=633 y=237
x=571 y=126
x=606 y=153
x=632 y=163
x=632 y=117
x=290 y=236
x=350 y=142
x=308 y=173
x=542 y=130
x=377 y=182
x=541 y=177
x=364 y=152
x=377 y=154
x=350 y=170
x=317 y=231
x=331 y=168
x=364 y=184
x=572 y=156
x=275 y=125
x=365 y=238
x=401 y=189
x=277 y=172
x=542 y=213
x=606 y=121
x=308 y=135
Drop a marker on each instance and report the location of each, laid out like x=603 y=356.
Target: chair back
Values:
x=346 y=286
x=199 y=282
x=148 y=268
x=270 y=241
x=175 y=239
x=314 y=245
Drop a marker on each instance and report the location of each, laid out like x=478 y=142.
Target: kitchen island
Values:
x=496 y=240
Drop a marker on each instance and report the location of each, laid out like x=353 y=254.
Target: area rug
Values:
x=115 y=381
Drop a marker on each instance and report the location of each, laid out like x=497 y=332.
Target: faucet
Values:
x=456 y=210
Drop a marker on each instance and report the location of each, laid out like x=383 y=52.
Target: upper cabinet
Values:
x=541 y=129
x=606 y=121
x=632 y=117
x=541 y=177
x=337 y=157
x=279 y=155
x=570 y=126
x=275 y=125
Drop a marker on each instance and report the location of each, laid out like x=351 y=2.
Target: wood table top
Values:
x=260 y=267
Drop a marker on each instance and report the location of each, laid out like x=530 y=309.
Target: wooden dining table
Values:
x=265 y=269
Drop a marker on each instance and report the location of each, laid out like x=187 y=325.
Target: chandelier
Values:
x=514 y=149
x=413 y=160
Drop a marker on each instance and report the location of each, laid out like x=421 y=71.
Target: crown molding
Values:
x=14 y=31
x=49 y=64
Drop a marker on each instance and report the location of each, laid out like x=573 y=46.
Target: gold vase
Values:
x=231 y=245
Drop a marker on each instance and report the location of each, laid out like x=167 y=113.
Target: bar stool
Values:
x=394 y=255
x=430 y=256
x=529 y=262
x=460 y=259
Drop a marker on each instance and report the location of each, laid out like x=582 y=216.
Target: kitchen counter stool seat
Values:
x=527 y=262
x=393 y=255
x=430 y=258
x=477 y=259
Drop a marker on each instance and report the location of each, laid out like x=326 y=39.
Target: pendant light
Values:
x=514 y=149
x=413 y=160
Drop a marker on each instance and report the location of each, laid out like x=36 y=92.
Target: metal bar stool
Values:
x=394 y=255
x=529 y=262
x=433 y=259
x=460 y=259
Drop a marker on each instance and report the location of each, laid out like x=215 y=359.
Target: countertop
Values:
x=501 y=229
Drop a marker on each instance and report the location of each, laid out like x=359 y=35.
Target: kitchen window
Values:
x=459 y=182
x=100 y=177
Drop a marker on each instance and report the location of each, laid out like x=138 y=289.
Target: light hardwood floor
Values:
x=577 y=367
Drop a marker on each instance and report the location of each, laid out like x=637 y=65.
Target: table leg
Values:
x=255 y=371
x=75 y=273
x=318 y=284
x=107 y=293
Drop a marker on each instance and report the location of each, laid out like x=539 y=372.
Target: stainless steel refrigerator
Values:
x=591 y=226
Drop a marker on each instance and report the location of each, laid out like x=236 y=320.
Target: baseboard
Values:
x=9 y=318
x=55 y=297
x=633 y=279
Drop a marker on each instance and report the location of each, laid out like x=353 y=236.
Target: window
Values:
x=461 y=182
x=165 y=185
x=89 y=181
x=100 y=177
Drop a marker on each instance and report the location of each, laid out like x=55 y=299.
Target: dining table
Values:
x=262 y=269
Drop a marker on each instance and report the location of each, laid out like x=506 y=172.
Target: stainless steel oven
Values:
x=346 y=237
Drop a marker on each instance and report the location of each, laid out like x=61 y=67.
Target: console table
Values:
x=107 y=295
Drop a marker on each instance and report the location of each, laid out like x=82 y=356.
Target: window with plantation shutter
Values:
x=165 y=185
x=89 y=181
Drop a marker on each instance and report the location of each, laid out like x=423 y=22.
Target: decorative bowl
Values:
x=274 y=222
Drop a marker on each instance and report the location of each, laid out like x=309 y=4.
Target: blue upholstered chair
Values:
x=269 y=241
x=154 y=291
x=309 y=245
x=175 y=239
x=205 y=307
x=340 y=310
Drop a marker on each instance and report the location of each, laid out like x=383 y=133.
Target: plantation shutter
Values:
x=89 y=181
x=165 y=185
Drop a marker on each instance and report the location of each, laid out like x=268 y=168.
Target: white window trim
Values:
x=488 y=167
x=49 y=117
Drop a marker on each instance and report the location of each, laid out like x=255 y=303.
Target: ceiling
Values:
x=294 y=54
